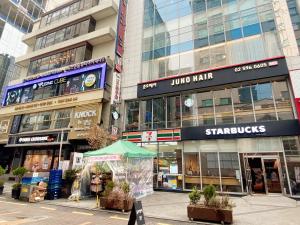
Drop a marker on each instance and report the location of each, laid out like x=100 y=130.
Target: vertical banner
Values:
x=116 y=88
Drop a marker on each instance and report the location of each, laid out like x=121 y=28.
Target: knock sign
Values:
x=137 y=214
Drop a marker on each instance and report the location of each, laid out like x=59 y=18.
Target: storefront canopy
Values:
x=123 y=148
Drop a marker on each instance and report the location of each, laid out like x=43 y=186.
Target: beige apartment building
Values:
x=65 y=84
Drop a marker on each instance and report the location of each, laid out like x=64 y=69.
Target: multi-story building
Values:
x=16 y=19
x=212 y=87
x=65 y=84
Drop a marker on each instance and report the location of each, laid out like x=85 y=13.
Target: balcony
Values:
x=103 y=10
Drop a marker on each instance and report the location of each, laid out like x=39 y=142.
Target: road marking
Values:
x=86 y=223
x=14 y=203
x=83 y=213
x=47 y=208
x=118 y=218
x=8 y=213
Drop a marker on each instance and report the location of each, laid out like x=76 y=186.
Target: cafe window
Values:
x=189 y=110
x=282 y=100
x=223 y=107
x=173 y=111
x=159 y=113
x=146 y=114
x=205 y=108
x=62 y=118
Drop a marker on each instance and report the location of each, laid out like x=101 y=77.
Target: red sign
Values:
x=121 y=28
x=297 y=104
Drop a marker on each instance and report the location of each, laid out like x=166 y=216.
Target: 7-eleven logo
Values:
x=149 y=136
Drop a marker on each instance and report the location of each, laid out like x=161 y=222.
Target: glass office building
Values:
x=214 y=97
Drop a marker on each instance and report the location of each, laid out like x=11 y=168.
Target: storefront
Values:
x=237 y=125
x=53 y=113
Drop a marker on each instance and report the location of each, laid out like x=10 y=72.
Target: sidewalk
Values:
x=249 y=210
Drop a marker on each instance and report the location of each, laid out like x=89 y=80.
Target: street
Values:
x=17 y=212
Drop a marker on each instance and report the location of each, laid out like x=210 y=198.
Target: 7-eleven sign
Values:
x=149 y=136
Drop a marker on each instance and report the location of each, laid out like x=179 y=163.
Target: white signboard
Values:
x=103 y=158
x=77 y=160
x=116 y=88
x=149 y=136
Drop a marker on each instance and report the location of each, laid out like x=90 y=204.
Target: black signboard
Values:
x=137 y=214
x=247 y=130
x=221 y=76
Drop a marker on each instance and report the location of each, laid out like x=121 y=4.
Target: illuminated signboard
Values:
x=68 y=82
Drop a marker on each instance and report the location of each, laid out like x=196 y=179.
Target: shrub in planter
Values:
x=2 y=172
x=213 y=209
x=69 y=177
x=16 y=189
x=117 y=197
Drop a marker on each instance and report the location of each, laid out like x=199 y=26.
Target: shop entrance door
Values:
x=272 y=175
x=265 y=174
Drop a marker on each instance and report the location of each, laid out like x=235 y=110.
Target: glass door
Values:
x=272 y=175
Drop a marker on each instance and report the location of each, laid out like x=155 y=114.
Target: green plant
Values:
x=194 y=196
x=2 y=171
x=1 y=183
x=19 y=172
x=16 y=186
x=209 y=192
x=109 y=188
x=125 y=187
x=70 y=175
x=214 y=202
x=225 y=203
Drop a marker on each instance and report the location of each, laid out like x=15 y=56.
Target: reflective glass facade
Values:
x=184 y=36
x=243 y=104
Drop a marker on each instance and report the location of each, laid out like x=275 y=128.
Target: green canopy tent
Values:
x=128 y=162
x=124 y=148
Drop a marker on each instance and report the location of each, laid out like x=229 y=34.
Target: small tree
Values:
x=98 y=137
x=2 y=172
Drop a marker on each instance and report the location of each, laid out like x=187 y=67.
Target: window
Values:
x=189 y=110
x=207 y=103
x=62 y=119
x=146 y=114
x=28 y=122
x=43 y=121
x=173 y=112
x=132 y=116
x=159 y=113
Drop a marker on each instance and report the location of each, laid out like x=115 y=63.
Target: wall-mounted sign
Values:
x=4 y=126
x=36 y=139
x=49 y=83
x=116 y=88
x=46 y=103
x=90 y=80
x=84 y=114
x=219 y=76
x=121 y=28
x=261 y=129
x=156 y=135
x=115 y=115
x=51 y=139
x=149 y=136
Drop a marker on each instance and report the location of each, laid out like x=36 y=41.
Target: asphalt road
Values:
x=17 y=212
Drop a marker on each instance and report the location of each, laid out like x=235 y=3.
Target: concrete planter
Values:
x=199 y=212
x=118 y=204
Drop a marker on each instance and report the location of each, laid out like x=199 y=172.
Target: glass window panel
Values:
x=186 y=62
x=38 y=93
x=170 y=165
x=199 y=6
x=146 y=114
x=50 y=39
x=202 y=59
x=172 y=65
x=243 y=108
x=210 y=169
x=27 y=95
x=44 y=121
x=62 y=118
x=205 y=108
x=159 y=113
x=49 y=91
x=132 y=116
x=173 y=112
x=189 y=110
x=223 y=107
x=213 y=3
x=282 y=100
x=263 y=102
x=192 y=169
x=28 y=122
x=60 y=35
x=230 y=172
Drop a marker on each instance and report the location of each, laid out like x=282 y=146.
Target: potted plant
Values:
x=117 y=197
x=214 y=208
x=69 y=178
x=2 y=172
x=16 y=188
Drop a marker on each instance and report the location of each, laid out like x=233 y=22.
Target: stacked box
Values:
x=54 y=184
